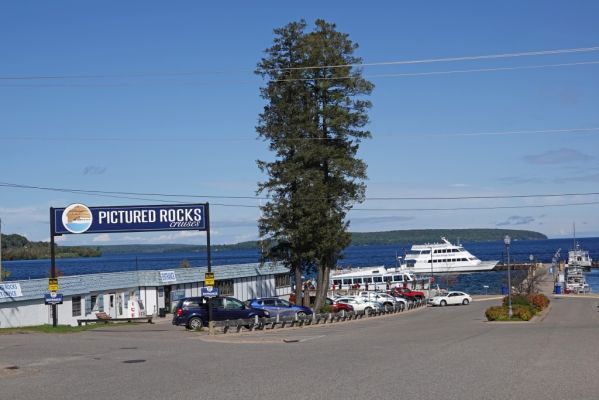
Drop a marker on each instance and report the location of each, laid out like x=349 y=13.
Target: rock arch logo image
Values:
x=77 y=218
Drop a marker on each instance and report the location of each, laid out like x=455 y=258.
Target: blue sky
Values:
x=161 y=98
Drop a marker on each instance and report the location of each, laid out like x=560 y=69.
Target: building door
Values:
x=167 y=298
x=112 y=305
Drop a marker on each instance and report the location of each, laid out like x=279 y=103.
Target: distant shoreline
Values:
x=22 y=249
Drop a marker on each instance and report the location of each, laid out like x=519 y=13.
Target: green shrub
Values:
x=523 y=313
x=496 y=313
x=518 y=299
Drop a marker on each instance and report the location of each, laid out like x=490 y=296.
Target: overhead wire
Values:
x=332 y=78
x=371 y=64
x=126 y=195
x=394 y=136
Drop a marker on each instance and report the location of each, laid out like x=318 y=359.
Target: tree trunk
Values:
x=323 y=286
x=298 y=285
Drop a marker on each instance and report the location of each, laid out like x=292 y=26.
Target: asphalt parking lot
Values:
x=430 y=353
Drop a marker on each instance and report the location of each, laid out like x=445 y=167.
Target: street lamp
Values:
x=507 y=240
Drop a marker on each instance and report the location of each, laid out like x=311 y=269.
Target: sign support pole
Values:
x=53 y=265
x=209 y=263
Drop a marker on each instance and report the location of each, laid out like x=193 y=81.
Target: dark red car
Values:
x=408 y=294
x=337 y=307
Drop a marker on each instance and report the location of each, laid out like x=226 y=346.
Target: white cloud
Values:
x=104 y=237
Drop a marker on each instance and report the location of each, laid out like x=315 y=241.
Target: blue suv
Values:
x=276 y=306
x=193 y=311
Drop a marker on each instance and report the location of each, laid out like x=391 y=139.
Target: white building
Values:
x=133 y=293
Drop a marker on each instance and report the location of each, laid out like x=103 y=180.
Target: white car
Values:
x=385 y=299
x=450 y=298
x=360 y=304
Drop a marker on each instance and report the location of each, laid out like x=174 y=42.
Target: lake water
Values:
x=356 y=256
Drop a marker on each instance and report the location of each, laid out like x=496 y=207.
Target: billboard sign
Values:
x=79 y=218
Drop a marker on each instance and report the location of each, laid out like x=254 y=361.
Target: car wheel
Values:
x=194 y=324
x=368 y=310
x=443 y=303
x=301 y=314
x=465 y=302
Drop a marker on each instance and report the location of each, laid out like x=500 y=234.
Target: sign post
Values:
x=78 y=218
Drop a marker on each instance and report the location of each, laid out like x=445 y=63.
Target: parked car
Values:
x=387 y=300
x=450 y=298
x=408 y=294
x=338 y=307
x=276 y=306
x=360 y=304
x=193 y=311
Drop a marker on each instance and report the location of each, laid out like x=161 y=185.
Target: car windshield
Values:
x=284 y=303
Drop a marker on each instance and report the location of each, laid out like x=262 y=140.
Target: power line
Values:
x=477 y=208
x=450 y=72
x=460 y=58
x=395 y=136
x=373 y=64
x=369 y=76
x=404 y=198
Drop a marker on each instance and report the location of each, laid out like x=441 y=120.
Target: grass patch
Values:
x=49 y=329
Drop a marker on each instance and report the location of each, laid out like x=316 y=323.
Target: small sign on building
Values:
x=10 y=290
x=168 y=276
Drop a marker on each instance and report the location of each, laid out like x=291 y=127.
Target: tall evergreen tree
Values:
x=313 y=121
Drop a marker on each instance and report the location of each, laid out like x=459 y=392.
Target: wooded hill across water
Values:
x=17 y=247
x=408 y=237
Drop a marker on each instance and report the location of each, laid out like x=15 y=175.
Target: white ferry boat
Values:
x=375 y=278
x=579 y=258
x=443 y=258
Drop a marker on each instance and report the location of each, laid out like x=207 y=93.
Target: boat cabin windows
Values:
x=398 y=278
x=337 y=282
x=368 y=280
x=378 y=279
x=357 y=281
x=347 y=281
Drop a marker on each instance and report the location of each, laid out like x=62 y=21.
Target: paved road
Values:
x=435 y=353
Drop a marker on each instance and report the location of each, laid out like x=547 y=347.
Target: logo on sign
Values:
x=77 y=218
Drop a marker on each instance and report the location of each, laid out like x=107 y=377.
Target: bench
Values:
x=105 y=319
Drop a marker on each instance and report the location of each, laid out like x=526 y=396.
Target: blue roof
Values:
x=83 y=284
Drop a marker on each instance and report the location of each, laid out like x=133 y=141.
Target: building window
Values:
x=225 y=287
x=282 y=280
x=76 y=306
